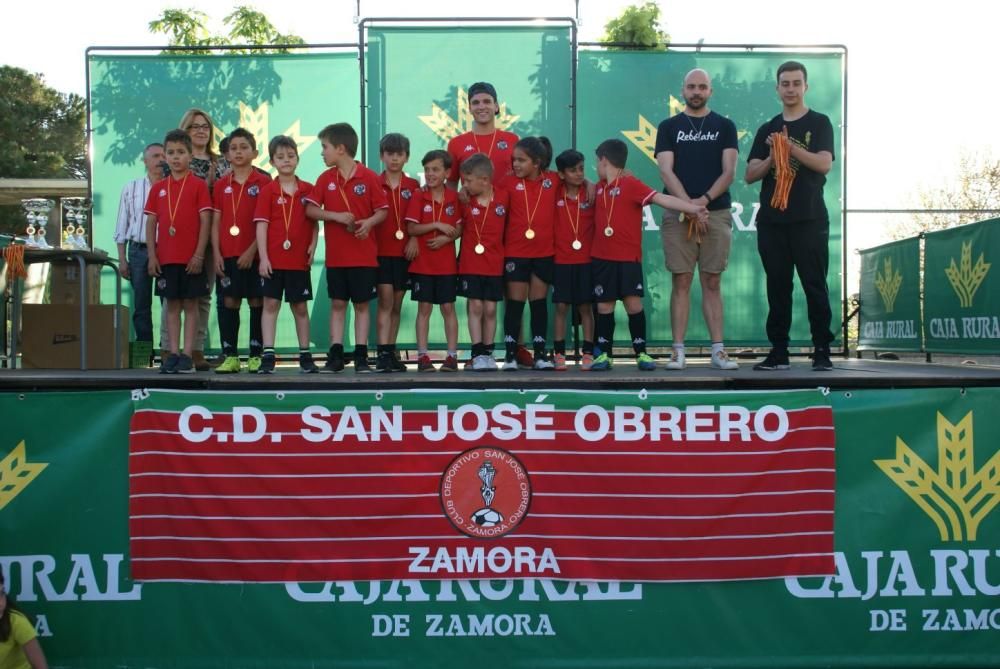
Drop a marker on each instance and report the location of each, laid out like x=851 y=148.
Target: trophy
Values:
x=76 y=213
x=487 y=517
x=37 y=213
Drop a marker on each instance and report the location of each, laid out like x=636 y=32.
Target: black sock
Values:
x=478 y=349
x=269 y=350
x=513 y=310
x=588 y=347
x=382 y=350
x=559 y=346
x=637 y=328
x=256 y=334
x=361 y=352
x=539 y=324
x=605 y=329
x=336 y=351
x=229 y=328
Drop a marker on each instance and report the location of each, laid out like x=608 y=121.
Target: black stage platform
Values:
x=847 y=374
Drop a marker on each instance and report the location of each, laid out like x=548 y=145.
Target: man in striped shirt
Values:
x=130 y=236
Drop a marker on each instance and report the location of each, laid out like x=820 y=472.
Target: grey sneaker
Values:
x=185 y=365
x=721 y=360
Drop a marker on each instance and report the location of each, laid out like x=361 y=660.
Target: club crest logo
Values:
x=598 y=290
x=509 y=267
x=546 y=183
x=450 y=210
x=955 y=496
x=406 y=193
x=485 y=492
x=585 y=205
x=253 y=190
x=502 y=145
x=359 y=189
x=161 y=283
x=501 y=211
x=615 y=192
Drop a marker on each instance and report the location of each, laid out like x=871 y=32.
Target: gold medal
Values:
x=286 y=245
x=80 y=230
x=30 y=230
x=577 y=245
x=399 y=235
x=608 y=231
x=529 y=234
x=172 y=231
x=235 y=231
x=480 y=249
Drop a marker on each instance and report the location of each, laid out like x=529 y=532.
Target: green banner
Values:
x=916 y=585
x=136 y=100
x=889 y=319
x=961 y=291
x=645 y=88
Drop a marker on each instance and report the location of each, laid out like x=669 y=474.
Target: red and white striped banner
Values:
x=566 y=485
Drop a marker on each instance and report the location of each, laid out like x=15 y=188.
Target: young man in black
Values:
x=794 y=237
x=696 y=152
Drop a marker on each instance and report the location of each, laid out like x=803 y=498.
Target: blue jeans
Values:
x=142 y=291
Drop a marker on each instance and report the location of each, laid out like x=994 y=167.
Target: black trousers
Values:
x=802 y=247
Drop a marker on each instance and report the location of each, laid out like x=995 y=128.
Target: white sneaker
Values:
x=509 y=366
x=720 y=360
x=543 y=364
x=676 y=361
x=491 y=364
x=481 y=363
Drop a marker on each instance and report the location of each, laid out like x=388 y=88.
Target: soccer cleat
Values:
x=168 y=363
x=333 y=365
x=253 y=364
x=450 y=364
x=586 y=362
x=602 y=363
x=645 y=363
x=185 y=365
x=267 y=363
x=231 y=365
x=821 y=360
x=559 y=362
x=424 y=364
x=676 y=361
x=720 y=360
x=525 y=359
x=776 y=359
x=306 y=364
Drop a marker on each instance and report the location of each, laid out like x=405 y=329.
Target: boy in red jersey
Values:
x=286 y=241
x=178 y=217
x=571 y=280
x=480 y=263
x=485 y=137
x=234 y=248
x=349 y=199
x=435 y=219
x=616 y=265
x=395 y=249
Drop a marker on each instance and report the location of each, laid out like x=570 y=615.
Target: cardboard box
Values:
x=64 y=283
x=50 y=336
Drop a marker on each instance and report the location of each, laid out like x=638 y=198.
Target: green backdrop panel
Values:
x=889 y=319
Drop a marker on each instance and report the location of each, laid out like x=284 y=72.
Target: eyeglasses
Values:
x=199 y=126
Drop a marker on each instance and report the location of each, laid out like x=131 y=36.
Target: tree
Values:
x=41 y=129
x=638 y=25
x=246 y=26
x=976 y=191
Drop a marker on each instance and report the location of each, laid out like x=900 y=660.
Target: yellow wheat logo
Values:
x=966 y=278
x=956 y=497
x=257 y=121
x=446 y=127
x=888 y=283
x=16 y=473
x=644 y=137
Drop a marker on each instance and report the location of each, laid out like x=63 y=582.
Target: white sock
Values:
x=678 y=350
x=718 y=347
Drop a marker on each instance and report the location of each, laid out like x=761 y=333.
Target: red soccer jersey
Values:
x=362 y=195
x=423 y=209
x=498 y=145
x=177 y=204
x=389 y=243
x=574 y=223
x=532 y=206
x=618 y=206
x=485 y=226
x=236 y=203
x=286 y=219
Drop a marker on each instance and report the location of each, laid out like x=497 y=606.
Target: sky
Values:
x=920 y=79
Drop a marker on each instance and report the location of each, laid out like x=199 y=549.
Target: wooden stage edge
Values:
x=847 y=374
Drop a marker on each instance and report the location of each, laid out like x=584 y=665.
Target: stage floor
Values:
x=847 y=373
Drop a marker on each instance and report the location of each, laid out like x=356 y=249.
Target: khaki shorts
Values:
x=682 y=254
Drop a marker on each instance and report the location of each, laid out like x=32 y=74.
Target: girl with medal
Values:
x=571 y=284
x=234 y=247
x=286 y=242
x=528 y=246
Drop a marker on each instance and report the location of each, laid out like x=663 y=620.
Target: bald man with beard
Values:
x=696 y=152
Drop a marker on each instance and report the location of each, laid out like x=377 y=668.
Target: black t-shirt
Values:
x=814 y=133
x=697 y=145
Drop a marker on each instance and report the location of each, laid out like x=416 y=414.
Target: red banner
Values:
x=656 y=491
